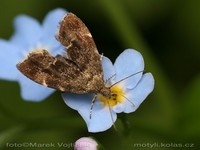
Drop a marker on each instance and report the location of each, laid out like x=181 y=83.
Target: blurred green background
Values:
x=166 y=32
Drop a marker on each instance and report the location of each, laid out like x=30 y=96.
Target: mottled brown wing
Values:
x=80 y=45
x=78 y=71
x=55 y=72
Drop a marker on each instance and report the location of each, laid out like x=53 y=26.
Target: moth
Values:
x=78 y=70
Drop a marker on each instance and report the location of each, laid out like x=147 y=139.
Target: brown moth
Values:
x=79 y=70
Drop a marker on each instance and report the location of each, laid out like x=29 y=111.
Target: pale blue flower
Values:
x=29 y=35
x=130 y=92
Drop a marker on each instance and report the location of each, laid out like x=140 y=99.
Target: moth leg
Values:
x=92 y=105
x=111 y=116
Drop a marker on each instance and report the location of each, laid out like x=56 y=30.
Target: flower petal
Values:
x=139 y=93
x=101 y=118
x=118 y=108
x=50 y=26
x=128 y=63
x=9 y=57
x=108 y=68
x=32 y=91
x=27 y=31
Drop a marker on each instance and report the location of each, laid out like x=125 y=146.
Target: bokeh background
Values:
x=166 y=32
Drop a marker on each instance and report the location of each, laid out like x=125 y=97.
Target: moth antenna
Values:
x=101 y=57
x=110 y=78
x=92 y=105
x=125 y=98
x=126 y=78
x=111 y=116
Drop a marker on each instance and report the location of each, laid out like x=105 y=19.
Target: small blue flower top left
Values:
x=29 y=35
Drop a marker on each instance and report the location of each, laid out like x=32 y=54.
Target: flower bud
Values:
x=85 y=143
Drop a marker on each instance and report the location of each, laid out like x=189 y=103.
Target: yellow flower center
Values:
x=116 y=97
